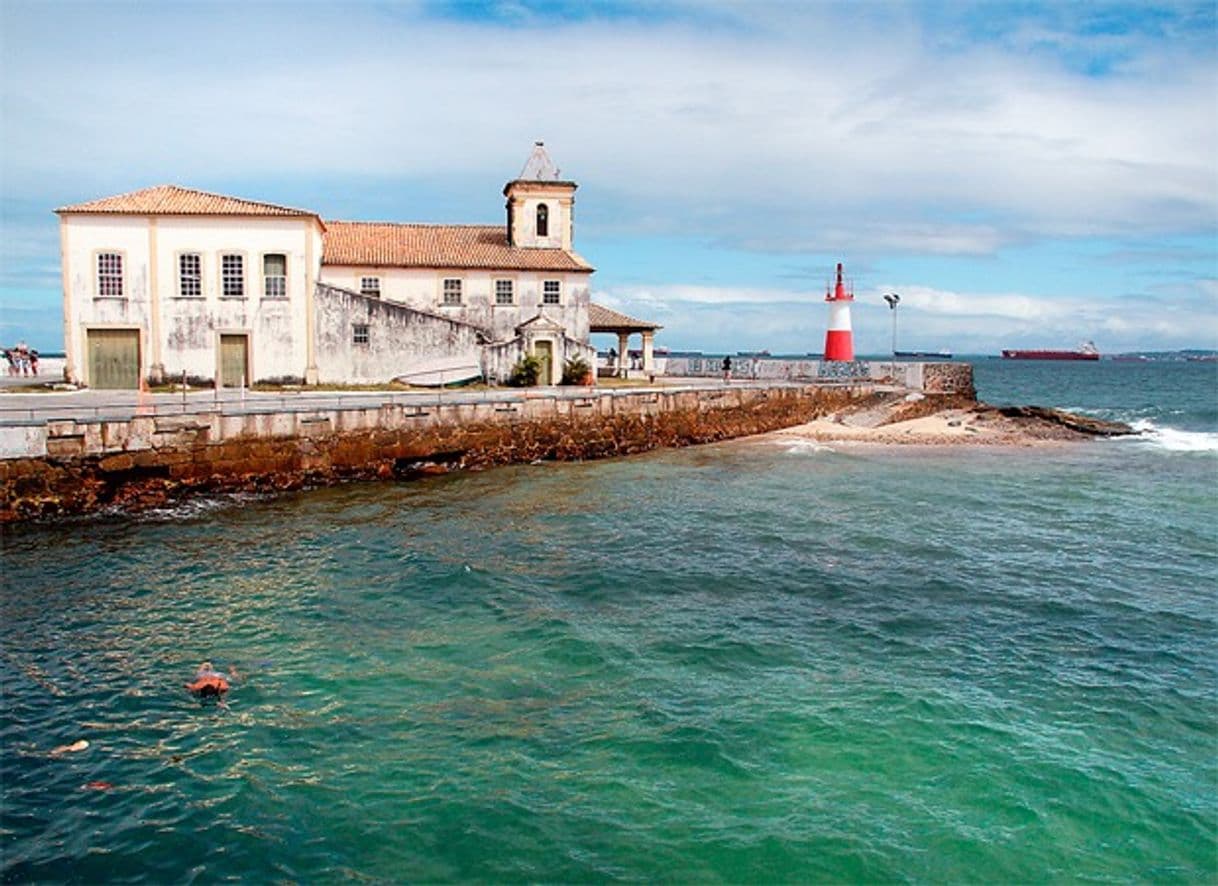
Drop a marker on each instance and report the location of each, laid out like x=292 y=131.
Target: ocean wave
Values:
x=799 y=446
x=1174 y=439
x=191 y=508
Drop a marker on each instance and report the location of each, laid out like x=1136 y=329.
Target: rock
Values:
x=1081 y=424
x=914 y=397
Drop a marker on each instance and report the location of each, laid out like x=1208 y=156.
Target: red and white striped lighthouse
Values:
x=839 y=339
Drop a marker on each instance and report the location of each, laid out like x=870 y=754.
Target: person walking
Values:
x=727 y=370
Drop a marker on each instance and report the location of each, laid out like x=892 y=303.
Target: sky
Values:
x=1020 y=173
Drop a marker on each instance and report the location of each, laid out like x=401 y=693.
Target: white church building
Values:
x=170 y=282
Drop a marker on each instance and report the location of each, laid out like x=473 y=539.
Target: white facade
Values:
x=424 y=290
x=180 y=330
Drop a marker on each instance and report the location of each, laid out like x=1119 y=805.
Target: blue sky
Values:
x=1021 y=173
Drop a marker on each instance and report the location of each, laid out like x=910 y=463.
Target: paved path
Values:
x=86 y=405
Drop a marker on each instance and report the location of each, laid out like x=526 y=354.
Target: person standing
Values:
x=727 y=370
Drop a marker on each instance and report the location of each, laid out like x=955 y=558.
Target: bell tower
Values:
x=540 y=205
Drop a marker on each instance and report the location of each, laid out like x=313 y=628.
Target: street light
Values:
x=893 y=300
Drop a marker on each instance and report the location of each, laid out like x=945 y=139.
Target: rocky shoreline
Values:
x=152 y=462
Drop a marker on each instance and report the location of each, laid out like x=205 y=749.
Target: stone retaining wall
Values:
x=948 y=378
x=147 y=461
x=939 y=378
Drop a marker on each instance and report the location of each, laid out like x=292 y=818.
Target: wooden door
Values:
x=233 y=369
x=114 y=359
x=544 y=352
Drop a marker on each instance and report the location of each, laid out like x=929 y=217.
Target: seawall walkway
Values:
x=73 y=457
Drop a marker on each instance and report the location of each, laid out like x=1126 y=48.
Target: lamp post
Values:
x=893 y=300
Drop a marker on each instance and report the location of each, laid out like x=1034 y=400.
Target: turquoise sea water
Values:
x=743 y=662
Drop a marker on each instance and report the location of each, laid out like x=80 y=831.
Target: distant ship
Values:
x=752 y=353
x=1085 y=351
x=946 y=355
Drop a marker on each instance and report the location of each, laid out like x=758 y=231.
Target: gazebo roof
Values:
x=602 y=319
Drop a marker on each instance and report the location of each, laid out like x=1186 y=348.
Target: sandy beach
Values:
x=949 y=422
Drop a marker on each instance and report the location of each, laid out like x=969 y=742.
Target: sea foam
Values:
x=1174 y=439
x=799 y=446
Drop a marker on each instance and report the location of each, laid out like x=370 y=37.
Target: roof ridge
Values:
x=242 y=199
x=168 y=189
x=418 y=244
x=401 y=224
x=602 y=315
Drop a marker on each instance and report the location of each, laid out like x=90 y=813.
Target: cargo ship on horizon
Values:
x=1086 y=351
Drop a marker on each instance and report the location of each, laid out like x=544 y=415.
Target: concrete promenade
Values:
x=70 y=466
x=26 y=409
x=79 y=423
x=81 y=451
x=21 y=409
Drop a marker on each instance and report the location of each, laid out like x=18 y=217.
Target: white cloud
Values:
x=866 y=130
x=785 y=321
x=741 y=124
x=1005 y=306
x=662 y=297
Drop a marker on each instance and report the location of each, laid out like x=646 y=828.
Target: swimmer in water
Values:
x=209 y=683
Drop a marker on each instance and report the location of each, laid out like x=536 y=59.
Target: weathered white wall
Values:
x=401 y=342
x=190 y=327
x=82 y=237
x=423 y=288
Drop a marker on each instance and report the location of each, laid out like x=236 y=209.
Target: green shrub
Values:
x=576 y=371
x=525 y=372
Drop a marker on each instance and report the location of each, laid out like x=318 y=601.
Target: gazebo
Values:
x=602 y=319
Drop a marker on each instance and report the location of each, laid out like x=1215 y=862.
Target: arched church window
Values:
x=543 y=221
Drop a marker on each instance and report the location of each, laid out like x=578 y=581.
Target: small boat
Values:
x=944 y=354
x=1086 y=351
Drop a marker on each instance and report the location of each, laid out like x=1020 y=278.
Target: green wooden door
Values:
x=114 y=359
x=544 y=352
x=232 y=361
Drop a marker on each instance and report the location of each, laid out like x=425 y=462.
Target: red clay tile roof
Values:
x=602 y=319
x=175 y=200
x=387 y=244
